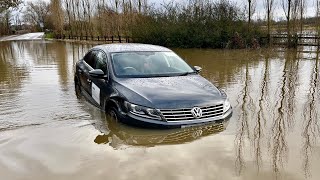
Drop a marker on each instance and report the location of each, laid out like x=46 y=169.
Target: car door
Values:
x=88 y=65
x=100 y=87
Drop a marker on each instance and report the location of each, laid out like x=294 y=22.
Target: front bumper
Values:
x=150 y=123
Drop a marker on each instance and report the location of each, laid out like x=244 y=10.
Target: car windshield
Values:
x=149 y=64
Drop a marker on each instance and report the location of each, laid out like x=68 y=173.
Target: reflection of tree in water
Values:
x=246 y=106
x=60 y=52
x=11 y=72
x=283 y=119
x=311 y=128
x=261 y=119
x=292 y=86
x=78 y=50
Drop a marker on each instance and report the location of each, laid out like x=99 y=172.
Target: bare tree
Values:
x=318 y=15
x=5 y=10
x=303 y=4
x=139 y=6
x=251 y=10
x=57 y=16
x=84 y=16
x=287 y=7
x=68 y=9
x=77 y=13
x=294 y=14
x=6 y=4
x=269 y=5
x=37 y=13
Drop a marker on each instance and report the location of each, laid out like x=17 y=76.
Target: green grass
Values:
x=49 y=35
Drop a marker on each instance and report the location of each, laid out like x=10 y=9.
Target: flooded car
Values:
x=149 y=86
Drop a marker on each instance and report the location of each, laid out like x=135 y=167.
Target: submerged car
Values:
x=150 y=86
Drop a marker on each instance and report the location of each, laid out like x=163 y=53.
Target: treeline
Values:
x=197 y=23
x=188 y=23
x=86 y=17
x=214 y=24
x=6 y=7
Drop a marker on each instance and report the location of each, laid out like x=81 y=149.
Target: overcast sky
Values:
x=260 y=12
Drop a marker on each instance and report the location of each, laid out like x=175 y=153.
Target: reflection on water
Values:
x=30 y=76
x=311 y=128
x=262 y=111
x=245 y=102
x=274 y=132
x=119 y=135
x=277 y=112
x=10 y=77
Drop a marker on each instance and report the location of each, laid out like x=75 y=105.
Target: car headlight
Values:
x=142 y=111
x=226 y=105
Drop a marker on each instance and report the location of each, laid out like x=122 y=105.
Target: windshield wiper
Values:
x=186 y=73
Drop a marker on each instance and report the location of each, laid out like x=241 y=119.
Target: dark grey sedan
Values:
x=150 y=86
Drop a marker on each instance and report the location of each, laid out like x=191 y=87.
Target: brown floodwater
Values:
x=46 y=132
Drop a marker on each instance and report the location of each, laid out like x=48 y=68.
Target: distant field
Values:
x=307 y=29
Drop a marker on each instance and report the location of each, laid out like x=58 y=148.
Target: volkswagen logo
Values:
x=196 y=112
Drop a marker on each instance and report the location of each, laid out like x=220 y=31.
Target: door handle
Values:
x=88 y=80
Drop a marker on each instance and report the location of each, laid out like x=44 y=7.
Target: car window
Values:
x=89 y=58
x=100 y=61
x=174 y=61
x=148 y=64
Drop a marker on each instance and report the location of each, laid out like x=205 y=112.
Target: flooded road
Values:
x=23 y=37
x=46 y=132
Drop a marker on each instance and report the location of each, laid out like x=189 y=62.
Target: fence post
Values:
x=112 y=39
x=268 y=40
x=119 y=38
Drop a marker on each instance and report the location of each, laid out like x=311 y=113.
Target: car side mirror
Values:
x=97 y=73
x=198 y=69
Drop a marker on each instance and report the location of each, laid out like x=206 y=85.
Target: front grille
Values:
x=186 y=114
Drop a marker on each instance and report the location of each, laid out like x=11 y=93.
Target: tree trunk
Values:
x=288 y=23
x=249 y=21
x=301 y=16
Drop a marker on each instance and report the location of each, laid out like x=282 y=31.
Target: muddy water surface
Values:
x=46 y=132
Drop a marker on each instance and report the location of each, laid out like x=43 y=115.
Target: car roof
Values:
x=129 y=47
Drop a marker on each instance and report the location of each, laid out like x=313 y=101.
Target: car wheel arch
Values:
x=76 y=80
x=112 y=103
x=77 y=84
